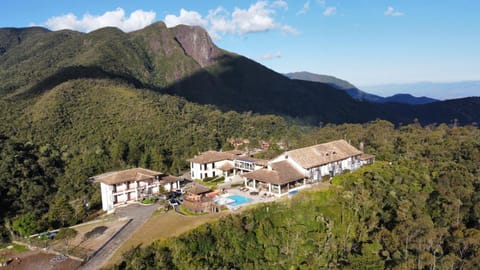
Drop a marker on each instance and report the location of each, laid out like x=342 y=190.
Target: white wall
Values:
x=107 y=196
x=198 y=171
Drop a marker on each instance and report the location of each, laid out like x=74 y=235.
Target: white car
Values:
x=173 y=202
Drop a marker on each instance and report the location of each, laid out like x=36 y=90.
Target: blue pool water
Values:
x=238 y=200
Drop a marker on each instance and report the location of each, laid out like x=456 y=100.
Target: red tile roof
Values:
x=281 y=173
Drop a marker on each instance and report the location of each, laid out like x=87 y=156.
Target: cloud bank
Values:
x=117 y=18
x=258 y=17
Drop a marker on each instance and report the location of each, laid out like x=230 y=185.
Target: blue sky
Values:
x=366 y=42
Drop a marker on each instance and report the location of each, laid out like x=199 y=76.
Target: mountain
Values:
x=442 y=91
x=349 y=88
x=407 y=99
x=183 y=61
x=356 y=93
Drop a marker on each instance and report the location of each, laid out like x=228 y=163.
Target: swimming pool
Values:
x=238 y=200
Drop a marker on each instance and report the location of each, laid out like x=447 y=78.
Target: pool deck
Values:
x=255 y=198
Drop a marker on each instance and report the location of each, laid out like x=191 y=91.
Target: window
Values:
x=204 y=167
x=213 y=174
x=213 y=165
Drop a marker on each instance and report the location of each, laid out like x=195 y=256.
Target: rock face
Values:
x=197 y=44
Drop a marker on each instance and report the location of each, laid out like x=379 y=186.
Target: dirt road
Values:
x=139 y=215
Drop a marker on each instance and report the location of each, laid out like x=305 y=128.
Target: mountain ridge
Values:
x=358 y=94
x=183 y=61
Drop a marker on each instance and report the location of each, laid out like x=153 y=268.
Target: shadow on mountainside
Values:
x=240 y=84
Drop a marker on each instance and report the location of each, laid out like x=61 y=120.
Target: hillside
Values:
x=419 y=210
x=183 y=61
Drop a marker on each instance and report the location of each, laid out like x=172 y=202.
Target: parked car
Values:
x=51 y=235
x=180 y=191
x=173 y=202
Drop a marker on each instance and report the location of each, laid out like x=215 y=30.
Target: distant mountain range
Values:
x=448 y=90
x=356 y=93
x=183 y=61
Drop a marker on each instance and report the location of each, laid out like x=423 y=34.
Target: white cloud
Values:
x=391 y=12
x=259 y=17
x=287 y=29
x=305 y=8
x=271 y=56
x=322 y=2
x=280 y=4
x=330 y=11
x=186 y=17
x=137 y=20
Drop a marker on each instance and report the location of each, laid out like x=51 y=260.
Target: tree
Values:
x=25 y=225
x=67 y=235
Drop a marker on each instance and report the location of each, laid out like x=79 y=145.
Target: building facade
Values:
x=122 y=187
x=297 y=168
x=213 y=164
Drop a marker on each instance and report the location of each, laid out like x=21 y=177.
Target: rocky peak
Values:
x=197 y=44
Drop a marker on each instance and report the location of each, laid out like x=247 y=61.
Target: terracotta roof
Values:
x=198 y=189
x=227 y=166
x=366 y=156
x=166 y=178
x=235 y=152
x=134 y=174
x=212 y=156
x=261 y=162
x=282 y=172
x=320 y=154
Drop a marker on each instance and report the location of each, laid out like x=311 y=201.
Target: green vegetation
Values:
x=185 y=211
x=84 y=128
x=19 y=248
x=418 y=209
x=212 y=182
x=67 y=235
x=36 y=60
x=148 y=200
x=75 y=105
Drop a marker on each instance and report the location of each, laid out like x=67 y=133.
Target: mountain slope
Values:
x=183 y=61
x=349 y=88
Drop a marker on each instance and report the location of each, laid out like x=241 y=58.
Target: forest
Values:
x=52 y=144
x=417 y=207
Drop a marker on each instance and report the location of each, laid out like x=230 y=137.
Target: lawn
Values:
x=162 y=225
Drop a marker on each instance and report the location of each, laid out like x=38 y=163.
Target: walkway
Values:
x=139 y=215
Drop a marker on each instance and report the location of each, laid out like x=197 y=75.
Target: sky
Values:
x=366 y=42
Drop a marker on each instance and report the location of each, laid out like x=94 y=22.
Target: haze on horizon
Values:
x=363 y=42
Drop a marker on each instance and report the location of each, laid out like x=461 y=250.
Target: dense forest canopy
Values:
x=51 y=144
x=417 y=207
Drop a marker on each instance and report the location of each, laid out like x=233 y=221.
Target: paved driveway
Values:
x=139 y=214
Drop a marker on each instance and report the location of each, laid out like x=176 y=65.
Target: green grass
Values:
x=212 y=182
x=19 y=248
x=187 y=212
x=148 y=201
